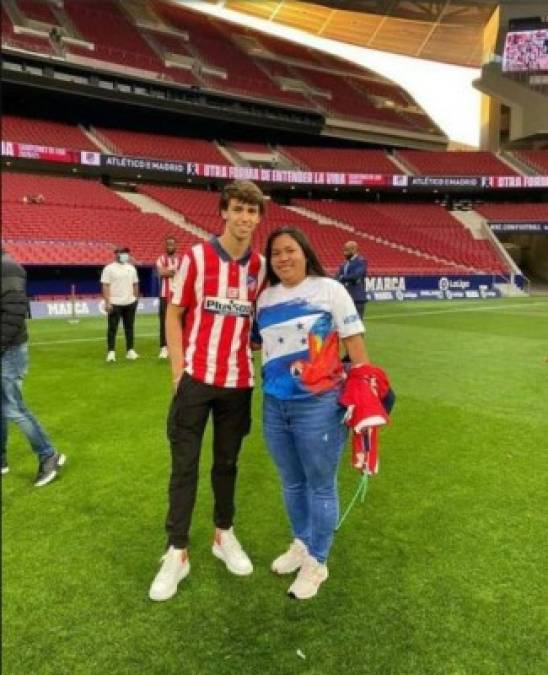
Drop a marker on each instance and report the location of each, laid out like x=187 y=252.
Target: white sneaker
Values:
x=228 y=549
x=291 y=560
x=111 y=356
x=175 y=567
x=164 y=354
x=132 y=355
x=311 y=575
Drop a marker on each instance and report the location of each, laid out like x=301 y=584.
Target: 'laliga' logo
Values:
x=443 y=284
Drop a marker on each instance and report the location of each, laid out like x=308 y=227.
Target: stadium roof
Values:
x=450 y=31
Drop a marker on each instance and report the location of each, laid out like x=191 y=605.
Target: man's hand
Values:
x=176 y=380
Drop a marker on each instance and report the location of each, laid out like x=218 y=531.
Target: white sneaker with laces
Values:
x=132 y=355
x=175 y=567
x=164 y=354
x=111 y=357
x=228 y=549
x=291 y=560
x=311 y=575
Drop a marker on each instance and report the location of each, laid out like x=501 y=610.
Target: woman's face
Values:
x=288 y=260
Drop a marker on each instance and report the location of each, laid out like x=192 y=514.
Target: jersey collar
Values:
x=223 y=255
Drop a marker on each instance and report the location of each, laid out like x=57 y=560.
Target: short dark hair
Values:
x=244 y=191
x=313 y=265
x=121 y=249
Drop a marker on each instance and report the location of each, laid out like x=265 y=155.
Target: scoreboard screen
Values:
x=526 y=51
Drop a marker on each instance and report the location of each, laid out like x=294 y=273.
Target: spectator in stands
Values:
x=120 y=286
x=34 y=199
x=14 y=368
x=352 y=275
x=301 y=317
x=166 y=266
x=207 y=325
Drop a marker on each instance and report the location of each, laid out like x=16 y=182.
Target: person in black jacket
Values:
x=14 y=368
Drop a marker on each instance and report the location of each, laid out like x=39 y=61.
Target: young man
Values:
x=166 y=266
x=14 y=368
x=120 y=286
x=208 y=325
x=352 y=275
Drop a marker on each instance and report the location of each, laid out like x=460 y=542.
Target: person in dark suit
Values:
x=352 y=275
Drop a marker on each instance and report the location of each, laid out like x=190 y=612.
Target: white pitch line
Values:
x=91 y=339
x=454 y=310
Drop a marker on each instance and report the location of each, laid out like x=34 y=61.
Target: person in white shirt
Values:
x=302 y=318
x=120 y=286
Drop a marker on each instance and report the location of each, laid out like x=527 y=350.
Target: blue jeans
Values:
x=14 y=368
x=306 y=438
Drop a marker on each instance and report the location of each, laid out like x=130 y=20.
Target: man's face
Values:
x=170 y=246
x=348 y=250
x=241 y=219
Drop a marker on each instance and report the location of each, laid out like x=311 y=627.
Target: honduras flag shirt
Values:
x=299 y=328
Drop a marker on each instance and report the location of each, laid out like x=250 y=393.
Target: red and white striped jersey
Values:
x=172 y=262
x=219 y=296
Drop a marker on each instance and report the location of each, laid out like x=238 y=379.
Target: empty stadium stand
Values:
x=536 y=159
x=425 y=228
x=37 y=11
x=163 y=147
x=130 y=48
x=75 y=211
x=201 y=209
x=54 y=252
x=188 y=48
x=338 y=159
x=247 y=146
x=42 y=132
x=513 y=212
x=21 y=40
x=454 y=163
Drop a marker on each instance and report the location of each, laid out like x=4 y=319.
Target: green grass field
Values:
x=441 y=570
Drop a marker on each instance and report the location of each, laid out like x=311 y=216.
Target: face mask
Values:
x=123 y=257
x=348 y=256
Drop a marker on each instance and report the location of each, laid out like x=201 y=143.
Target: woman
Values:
x=301 y=317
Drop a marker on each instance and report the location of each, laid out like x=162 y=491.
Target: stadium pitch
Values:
x=441 y=570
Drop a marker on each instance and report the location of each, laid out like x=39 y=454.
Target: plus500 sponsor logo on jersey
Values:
x=227 y=306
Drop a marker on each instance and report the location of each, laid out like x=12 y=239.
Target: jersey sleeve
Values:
x=105 y=275
x=184 y=281
x=347 y=320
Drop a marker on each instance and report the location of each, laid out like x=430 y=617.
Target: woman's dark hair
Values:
x=313 y=265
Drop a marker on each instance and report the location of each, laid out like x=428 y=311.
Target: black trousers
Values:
x=162 y=306
x=188 y=415
x=127 y=314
